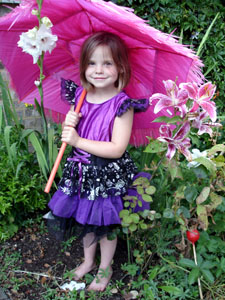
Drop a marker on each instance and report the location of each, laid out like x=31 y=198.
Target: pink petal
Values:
x=171 y=87
x=182 y=95
x=164 y=101
x=191 y=88
x=171 y=151
x=210 y=107
x=194 y=107
x=205 y=129
x=206 y=91
x=182 y=132
x=186 y=153
x=165 y=131
x=182 y=109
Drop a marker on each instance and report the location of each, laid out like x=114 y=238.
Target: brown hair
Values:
x=119 y=54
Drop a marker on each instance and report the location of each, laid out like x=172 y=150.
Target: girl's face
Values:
x=102 y=72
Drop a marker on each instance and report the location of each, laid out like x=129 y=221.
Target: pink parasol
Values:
x=154 y=56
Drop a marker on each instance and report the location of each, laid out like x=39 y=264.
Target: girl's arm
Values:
x=114 y=149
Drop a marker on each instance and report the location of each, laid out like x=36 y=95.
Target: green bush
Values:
x=190 y=20
x=20 y=194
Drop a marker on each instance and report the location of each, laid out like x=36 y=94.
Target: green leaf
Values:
x=124 y=212
x=207 y=163
x=203 y=216
x=150 y=190
x=127 y=219
x=203 y=195
x=1 y=119
x=168 y=120
x=215 y=149
x=206 y=35
x=207 y=265
x=171 y=289
x=168 y=213
x=135 y=218
x=40 y=154
x=187 y=263
x=147 y=198
x=193 y=275
x=208 y=275
x=183 y=210
x=155 y=146
x=153 y=273
x=190 y=193
x=140 y=190
x=133 y=227
x=144 y=226
x=201 y=172
x=7 y=143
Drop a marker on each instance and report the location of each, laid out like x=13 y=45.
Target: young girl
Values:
x=99 y=171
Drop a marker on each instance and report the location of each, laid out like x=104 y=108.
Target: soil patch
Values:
x=33 y=252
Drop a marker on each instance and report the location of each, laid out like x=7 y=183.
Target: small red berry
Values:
x=193 y=235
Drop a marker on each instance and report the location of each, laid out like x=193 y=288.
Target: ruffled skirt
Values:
x=90 y=196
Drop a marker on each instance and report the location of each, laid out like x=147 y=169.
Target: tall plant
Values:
x=36 y=42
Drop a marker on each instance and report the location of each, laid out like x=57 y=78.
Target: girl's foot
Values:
x=101 y=280
x=83 y=269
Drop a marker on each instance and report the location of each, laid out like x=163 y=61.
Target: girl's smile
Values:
x=102 y=72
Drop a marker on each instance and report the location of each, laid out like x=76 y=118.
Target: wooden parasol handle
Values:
x=62 y=149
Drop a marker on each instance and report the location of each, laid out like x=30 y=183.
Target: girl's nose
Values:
x=98 y=68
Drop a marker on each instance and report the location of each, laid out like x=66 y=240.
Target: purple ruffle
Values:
x=68 y=89
x=98 y=212
x=138 y=105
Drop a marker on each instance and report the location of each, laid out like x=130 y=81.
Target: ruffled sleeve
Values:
x=138 y=105
x=68 y=90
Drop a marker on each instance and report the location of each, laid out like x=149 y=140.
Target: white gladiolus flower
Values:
x=195 y=154
x=45 y=39
x=28 y=43
x=47 y=22
x=35 y=41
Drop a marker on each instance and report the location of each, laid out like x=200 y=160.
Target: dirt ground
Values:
x=39 y=253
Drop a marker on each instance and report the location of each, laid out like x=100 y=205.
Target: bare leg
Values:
x=108 y=249
x=89 y=259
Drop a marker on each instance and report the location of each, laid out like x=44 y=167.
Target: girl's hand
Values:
x=70 y=136
x=72 y=118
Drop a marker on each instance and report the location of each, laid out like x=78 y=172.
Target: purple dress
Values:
x=91 y=188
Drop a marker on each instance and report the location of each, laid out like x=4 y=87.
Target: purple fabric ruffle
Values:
x=138 y=105
x=68 y=90
x=99 y=212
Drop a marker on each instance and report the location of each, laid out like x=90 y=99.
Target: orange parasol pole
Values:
x=62 y=149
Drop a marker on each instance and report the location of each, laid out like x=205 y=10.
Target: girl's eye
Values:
x=108 y=63
x=91 y=63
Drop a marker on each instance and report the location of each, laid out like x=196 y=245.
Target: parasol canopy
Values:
x=154 y=56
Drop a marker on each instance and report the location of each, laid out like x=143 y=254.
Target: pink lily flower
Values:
x=175 y=98
x=202 y=96
x=177 y=142
x=202 y=127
